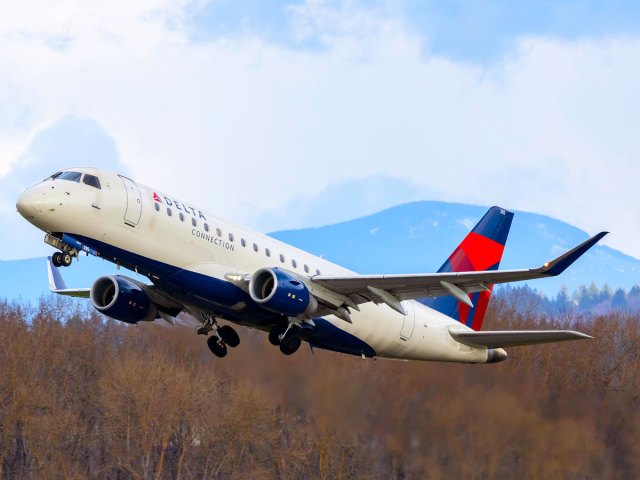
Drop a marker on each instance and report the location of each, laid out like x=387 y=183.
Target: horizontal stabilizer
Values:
x=57 y=285
x=511 y=338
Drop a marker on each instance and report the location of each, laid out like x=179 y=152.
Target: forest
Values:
x=82 y=396
x=588 y=301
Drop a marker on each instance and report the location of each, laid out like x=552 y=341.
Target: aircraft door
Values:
x=409 y=321
x=134 y=202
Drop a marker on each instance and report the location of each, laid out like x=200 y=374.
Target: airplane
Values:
x=222 y=273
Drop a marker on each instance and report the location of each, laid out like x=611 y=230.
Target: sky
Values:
x=291 y=114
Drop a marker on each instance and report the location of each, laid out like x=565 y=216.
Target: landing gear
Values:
x=217 y=347
x=223 y=336
x=276 y=334
x=66 y=259
x=208 y=324
x=61 y=259
x=56 y=258
x=285 y=337
x=229 y=336
x=290 y=345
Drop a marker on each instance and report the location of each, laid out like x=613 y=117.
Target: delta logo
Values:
x=179 y=206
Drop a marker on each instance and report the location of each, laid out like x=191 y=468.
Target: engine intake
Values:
x=119 y=298
x=281 y=292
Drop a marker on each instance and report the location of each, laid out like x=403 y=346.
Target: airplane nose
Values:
x=23 y=204
x=26 y=203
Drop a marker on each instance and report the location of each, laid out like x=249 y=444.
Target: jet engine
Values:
x=120 y=298
x=281 y=292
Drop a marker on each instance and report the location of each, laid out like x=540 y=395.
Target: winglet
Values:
x=560 y=264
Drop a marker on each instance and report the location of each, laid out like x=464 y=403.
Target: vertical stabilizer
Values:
x=480 y=250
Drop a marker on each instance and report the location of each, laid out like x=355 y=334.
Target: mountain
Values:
x=410 y=238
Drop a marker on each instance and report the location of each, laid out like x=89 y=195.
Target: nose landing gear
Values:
x=61 y=259
x=64 y=256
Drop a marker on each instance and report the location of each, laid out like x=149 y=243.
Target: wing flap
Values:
x=510 y=338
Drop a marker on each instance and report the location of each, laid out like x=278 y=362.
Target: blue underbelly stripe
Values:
x=218 y=296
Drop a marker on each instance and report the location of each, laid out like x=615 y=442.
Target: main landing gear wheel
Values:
x=275 y=334
x=290 y=345
x=218 y=348
x=229 y=336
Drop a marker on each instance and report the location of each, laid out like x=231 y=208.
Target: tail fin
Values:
x=480 y=250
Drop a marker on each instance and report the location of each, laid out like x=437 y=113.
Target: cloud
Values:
x=344 y=200
x=484 y=31
x=72 y=140
x=242 y=125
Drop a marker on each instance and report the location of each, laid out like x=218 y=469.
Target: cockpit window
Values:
x=55 y=175
x=71 y=176
x=91 y=180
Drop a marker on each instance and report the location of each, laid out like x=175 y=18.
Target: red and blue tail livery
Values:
x=481 y=250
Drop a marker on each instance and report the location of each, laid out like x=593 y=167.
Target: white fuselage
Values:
x=151 y=225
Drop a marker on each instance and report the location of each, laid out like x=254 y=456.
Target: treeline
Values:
x=85 y=397
x=591 y=300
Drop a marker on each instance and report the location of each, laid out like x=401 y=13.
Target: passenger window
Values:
x=157 y=206
x=71 y=176
x=267 y=252
x=181 y=217
x=231 y=237
x=282 y=258
x=306 y=269
x=206 y=227
x=193 y=222
x=243 y=242
x=91 y=180
x=255 y=247
x=318 y=272
x=168 y=211
x=294 y=264
x=218 y=232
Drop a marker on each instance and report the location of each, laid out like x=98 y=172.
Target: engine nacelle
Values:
x=280 y=292
x=119 y=298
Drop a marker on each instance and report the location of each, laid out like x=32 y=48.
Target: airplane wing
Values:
x=499 y=339
x=57 y=285
x=391 y=289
